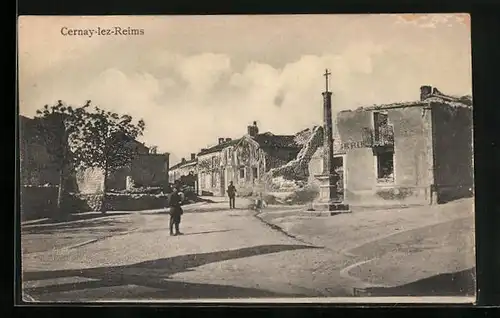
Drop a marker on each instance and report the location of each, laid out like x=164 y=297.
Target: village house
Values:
x=185 y=172
x=412 y=152
x=243 y=161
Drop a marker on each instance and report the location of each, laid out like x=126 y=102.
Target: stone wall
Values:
x=147 y=170
x=90 y=180
x=117 y=202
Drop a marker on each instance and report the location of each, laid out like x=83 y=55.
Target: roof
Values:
x=184 y=164
x=218 y=147
x=462 y=101
x=269 y=140
x=265 y=140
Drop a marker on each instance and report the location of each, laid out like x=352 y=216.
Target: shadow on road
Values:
x=153 y=274
x=79 y=217
x=451 y=284
x=206 y=232
x=165 y=290
x=166 y=230
x=92 y=223
x=203 y=209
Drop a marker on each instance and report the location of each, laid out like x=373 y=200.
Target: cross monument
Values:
x=328 y=202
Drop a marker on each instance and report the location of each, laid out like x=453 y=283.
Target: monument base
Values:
x=325 y=206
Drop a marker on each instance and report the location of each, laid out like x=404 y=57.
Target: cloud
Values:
x=188 y=100
x=202 y=72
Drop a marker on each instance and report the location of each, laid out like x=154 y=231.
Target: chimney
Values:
x=183 y=160
x=436 y=91
x=253 y=130
x=228 y=139
x=193 y=156
x=221 y=141
x=425 y=92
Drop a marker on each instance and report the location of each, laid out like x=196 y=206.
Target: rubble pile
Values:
x=297 y=169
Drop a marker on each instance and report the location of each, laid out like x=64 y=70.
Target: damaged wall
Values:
x=411 y=162
x=298 y=168
x=359 y=163
x=90 y=180
x=146 y=170
x=244 y=163
x=453 y=151
x=209 y=173
x=150 y=170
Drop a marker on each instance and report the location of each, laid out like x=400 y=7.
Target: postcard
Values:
x=260 y=158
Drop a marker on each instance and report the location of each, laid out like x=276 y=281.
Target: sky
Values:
x=194 y=79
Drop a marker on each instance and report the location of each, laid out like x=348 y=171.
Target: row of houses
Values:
x=244 y=161
x=417 y=152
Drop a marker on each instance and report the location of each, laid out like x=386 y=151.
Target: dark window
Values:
x=380 y=119
x=385 y=167
x=383 y=129
x=255 y=173
x=242 y=173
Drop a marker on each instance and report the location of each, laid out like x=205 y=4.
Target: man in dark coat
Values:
x=175 y=202
x=231 y=192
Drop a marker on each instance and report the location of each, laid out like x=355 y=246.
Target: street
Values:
x=232 y=254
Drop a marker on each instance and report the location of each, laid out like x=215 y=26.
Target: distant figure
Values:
x=175 y=202
x=231 y=193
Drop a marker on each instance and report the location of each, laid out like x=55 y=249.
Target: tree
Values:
x=107 y=142
x=57 y=126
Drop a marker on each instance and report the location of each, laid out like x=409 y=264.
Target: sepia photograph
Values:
x=250 y=158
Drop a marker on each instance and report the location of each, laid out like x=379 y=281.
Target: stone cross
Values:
x=327 y=73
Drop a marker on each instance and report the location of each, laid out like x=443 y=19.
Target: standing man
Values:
x=231 y=192
x=175 y=202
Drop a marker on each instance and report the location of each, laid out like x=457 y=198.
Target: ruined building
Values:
x=243 y=161
x=409 y=152
x=185 y=172
x=146 y=169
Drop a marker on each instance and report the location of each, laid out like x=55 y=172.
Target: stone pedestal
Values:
x=327 y=204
